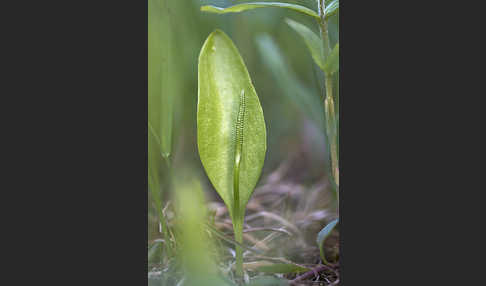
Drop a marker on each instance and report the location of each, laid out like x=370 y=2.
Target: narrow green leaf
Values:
x=160 y=100
x=313 y=41
x=253 y=5
x=322 y=235
x=222 y=77
x=167 y=104
x=155 y=45
x=332 y=8
x=154 y=169
x=304 y=97
x=332 y=63
x=160 y=97
x=282 y=268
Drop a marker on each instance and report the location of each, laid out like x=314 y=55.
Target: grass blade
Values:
x=307 y=100
x=312 y=41
x=322 y=235
x=160 y=97
x=332 y=63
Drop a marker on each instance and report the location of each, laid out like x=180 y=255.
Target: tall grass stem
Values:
x=329 y=106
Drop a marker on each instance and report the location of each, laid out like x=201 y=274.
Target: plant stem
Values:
x=329 y=106
x=238 y=229
x=323 y=28
x=237 y=220
x=332 y=130
x=237 y=223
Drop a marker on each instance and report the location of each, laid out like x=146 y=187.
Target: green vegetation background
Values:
x=287 y=81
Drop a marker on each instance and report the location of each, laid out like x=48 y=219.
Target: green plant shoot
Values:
x=231 y=134
x=324 y=57
x=321 y=237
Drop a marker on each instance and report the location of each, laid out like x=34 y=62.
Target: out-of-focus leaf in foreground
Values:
x=253 y=5
x=312 y=41
x=322 y=235
x=197 y=252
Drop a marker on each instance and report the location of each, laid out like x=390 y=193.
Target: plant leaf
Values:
x=222 y=77
x=312 y=41
x=253 y=5
x=322 y=235
x=331 y=8
x=305 y=98
x=160 y=98
x=154 y=92
x=154 y=170
x=332 y=63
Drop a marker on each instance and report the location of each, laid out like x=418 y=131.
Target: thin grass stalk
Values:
x=329 y=106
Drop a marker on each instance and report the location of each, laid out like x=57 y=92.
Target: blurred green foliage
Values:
x=189 y=27
x=289 y=84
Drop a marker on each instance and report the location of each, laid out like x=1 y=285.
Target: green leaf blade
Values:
x=332 y=63
x=302 y=96
x=332 y=8
x=312 y=41
x=323 y=234
x=253 y=5
x=222 y=76
x=160 y=97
